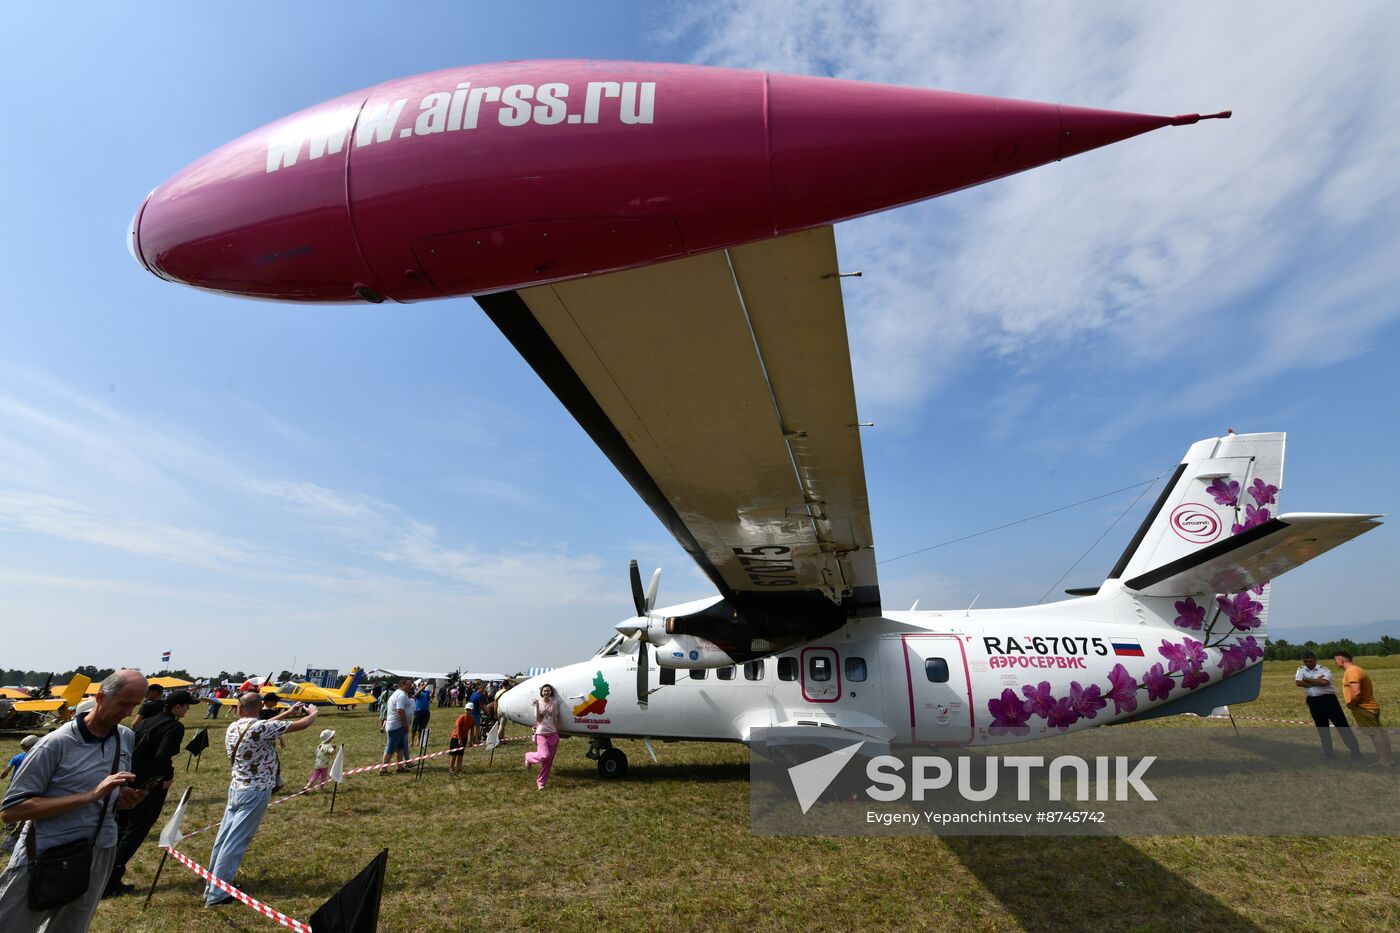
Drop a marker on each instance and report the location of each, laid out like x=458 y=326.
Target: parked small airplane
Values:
x=51 y=709
x=656 y=241
x=343 y=697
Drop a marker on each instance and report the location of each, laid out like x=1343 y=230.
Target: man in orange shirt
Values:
x=1360 y=698
x=461 y=733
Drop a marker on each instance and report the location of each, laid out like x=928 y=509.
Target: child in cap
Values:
x=25 y=744
x=457 y=744
x=325 y=752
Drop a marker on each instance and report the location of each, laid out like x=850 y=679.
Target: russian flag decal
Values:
x=1127 y=648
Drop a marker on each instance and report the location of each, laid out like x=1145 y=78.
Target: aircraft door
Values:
x=940 y=690
x=821 y=675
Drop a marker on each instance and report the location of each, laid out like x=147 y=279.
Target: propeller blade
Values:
x=652 y=587
x=643 y=675
x=638 y=598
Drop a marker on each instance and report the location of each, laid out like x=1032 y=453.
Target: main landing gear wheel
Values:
x=612 y=764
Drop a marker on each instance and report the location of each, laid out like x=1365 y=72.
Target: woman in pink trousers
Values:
x=546 y=734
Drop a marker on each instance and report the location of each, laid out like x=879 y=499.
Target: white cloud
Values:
x=1149 y=245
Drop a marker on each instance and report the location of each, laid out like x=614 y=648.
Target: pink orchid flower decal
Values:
x=1194 y=678
x=1038 y=699
x=1250 y=647
x=1232 y=660
x=1122 y=690
x=1062 y=714
x=1225 y=492
x=1087 y=701
x=1158 y=683
x=1189 y=614
x=1252 y=517
x=1242 y=610
x=1263 y=493
x=1008 y=712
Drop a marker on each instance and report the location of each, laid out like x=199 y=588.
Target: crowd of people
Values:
x=84 y=798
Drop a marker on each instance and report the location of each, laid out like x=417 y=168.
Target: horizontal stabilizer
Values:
x=1254 y=556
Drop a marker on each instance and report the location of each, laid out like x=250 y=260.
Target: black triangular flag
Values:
x=355 y=907
x=199 y=743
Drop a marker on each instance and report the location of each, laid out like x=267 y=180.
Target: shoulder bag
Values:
x=61 y=874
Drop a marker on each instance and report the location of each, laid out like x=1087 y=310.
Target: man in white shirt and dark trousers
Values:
x=1322 y=703
x=66 y=792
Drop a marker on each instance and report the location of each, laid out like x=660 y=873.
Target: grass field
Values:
x=668 y=848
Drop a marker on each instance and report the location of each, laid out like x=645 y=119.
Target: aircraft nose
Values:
x=265 y=216
x=515 y=704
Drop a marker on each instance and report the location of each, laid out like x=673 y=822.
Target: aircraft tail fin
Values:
x=351 y=683
x=1223 y=487
x=74 y=693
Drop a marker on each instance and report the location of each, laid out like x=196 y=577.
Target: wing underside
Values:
x=720 y=386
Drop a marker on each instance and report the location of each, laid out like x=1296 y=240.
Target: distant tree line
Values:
x=1283 y=650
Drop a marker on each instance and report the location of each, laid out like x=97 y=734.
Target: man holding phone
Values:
x=159 y=738
x=70 y=784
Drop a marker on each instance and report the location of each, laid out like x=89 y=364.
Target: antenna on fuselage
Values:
x=968 y=610
x=915 y=606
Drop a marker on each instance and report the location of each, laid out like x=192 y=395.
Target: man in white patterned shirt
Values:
x=251 y=746
x=1316 y=680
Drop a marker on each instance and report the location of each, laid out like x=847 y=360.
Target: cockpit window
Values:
x=612 y=647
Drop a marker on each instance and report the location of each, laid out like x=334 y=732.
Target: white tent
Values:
x=413 y=675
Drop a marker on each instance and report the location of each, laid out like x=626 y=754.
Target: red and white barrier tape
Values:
x=269 y=912
x=353 y=771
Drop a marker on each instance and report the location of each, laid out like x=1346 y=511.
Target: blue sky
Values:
x=247 y=483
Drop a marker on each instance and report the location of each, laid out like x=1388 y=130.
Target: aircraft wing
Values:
x=720 y=386
x=40 y=706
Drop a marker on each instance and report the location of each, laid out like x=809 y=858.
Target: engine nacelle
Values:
x=689 y=652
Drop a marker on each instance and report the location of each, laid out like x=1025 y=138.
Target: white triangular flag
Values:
x=493 y=738
x=338 y=766
x=171 y=834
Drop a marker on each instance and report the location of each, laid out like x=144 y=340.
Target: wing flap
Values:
x=720 y=386
x=1255 y=556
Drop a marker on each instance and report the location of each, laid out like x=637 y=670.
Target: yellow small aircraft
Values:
x=343 y=697
x=59 y=706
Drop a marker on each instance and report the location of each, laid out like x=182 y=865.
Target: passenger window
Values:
x=855 y=669
x=819 y=669
x=787 y=668
x=936 y=670
x=699 y=674
x=753 y=670
x=725 y=673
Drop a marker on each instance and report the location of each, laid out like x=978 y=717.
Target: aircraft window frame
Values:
x=793 y=668
x=725 y=673
x=936 y=670
x=819 y=669
x=750 y=667
x=856 y=669
x=612 y=647
x=698 y=673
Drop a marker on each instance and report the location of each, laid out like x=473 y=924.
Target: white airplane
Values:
x=734 y=417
